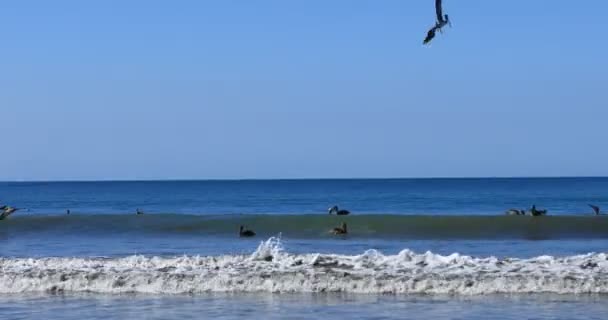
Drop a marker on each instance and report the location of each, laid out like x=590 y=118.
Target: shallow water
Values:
x=301 y=306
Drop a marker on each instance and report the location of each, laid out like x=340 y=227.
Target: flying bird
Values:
x=442 y=20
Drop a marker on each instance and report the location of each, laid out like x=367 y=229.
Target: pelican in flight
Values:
x=337 y=211
x=442 y=20
x=596 y=209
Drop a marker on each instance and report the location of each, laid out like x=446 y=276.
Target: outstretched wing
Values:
x=430 y=35
x=438 y=10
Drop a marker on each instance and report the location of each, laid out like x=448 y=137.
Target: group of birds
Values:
x=535 y=212
x=340 y=230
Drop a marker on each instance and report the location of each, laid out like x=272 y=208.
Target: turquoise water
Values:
x=420 y=247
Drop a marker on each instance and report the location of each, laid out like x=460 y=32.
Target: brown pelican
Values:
x=515 y=212
x=596 y=209
x=337 y=211
x=7 y=211
x=340 y=230
x=442 y=20
x=536 y=212
x=246 y=233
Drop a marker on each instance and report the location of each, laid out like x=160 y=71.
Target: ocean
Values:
x=415 y=248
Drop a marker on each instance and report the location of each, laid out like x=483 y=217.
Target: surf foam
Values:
x=271 y=269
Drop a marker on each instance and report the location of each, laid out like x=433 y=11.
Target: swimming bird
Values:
x=337 y=211
x=515 y=212
x=536 y=212
x=246 y=233
x=7 y=211
x=139 y=211
x=441 y=21
x=596 y=209
x=340 y=230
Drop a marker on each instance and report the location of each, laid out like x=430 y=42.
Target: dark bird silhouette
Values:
x=7 y=211
x=441 y=21
x=515 y=212
x=337 y=211
x=67 y=211
x=246 y=233
x=536 y=212
x=596 y=209
x=139 y=211
x=340 y=230
x=430 y=35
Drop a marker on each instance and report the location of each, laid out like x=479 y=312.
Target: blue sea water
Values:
x=399 y=196
x=134 y=255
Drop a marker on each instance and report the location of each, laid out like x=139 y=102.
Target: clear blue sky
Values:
x=146 y=89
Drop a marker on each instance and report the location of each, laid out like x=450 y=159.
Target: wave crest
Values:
x=271 y=269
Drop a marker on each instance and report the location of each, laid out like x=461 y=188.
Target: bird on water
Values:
x=340 y=230
x=7 y=211
x=535 y=212
x=246 y=233
x=337 y=211
x=515 y=212
x=596 y=209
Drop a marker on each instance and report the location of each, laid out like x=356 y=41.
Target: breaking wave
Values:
x=271 y=269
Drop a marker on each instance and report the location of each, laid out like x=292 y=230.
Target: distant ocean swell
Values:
x=315 y=226
x=271 y=269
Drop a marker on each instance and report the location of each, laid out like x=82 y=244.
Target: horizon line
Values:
x=296 y=179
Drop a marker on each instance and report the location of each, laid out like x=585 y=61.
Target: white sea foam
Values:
x=271 y=269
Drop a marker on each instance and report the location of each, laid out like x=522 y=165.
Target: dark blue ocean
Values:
x=429 y=244
x=361 y=196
